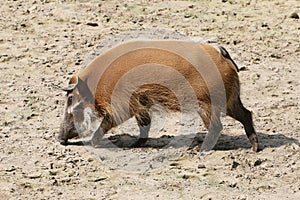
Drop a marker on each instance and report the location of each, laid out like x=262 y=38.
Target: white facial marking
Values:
x=89 y=125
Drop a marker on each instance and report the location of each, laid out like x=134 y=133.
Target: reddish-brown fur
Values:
x=100 y=80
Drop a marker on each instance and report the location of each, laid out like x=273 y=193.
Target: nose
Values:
x=61 y=140
x=61 y=136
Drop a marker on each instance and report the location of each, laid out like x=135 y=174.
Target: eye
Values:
x=70 y=99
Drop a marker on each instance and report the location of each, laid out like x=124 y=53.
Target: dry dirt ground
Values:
x=43 y=42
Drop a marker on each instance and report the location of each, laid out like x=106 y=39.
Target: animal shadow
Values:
x=225 y=142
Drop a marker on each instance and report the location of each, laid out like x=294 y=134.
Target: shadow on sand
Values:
x=225 y=142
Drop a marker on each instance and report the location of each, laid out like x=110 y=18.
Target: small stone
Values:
x=242 y=197
x=201 y=166
x=34 y=175
x=187 y=16
x=90 y=160
x=98 y=179
x=55 y=182
x=276 y=55
x=185 y=176
x=50 y=152
x=244 y=68
x=11 y=169
x=52 y=173
x=233 y=184
x=93 y=24
x=294 y=15
x=258 y=162
x=234 y=165
x=174 y=164
x=264 y=24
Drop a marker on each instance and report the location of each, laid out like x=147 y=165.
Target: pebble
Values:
x=55 y=182
x=174 y=164
x=93 y=24
x=276 y=55
x=233 y=184
x=34 y=175
x=244 y=68
x=201 y=166
x=264 y=24
x=294 y=15
x=258 y=162
x=234 y=165
x=98 y=179
x=11 y=169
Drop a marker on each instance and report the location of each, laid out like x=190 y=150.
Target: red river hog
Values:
x=128 y=79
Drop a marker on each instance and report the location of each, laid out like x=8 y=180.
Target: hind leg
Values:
x=144 y=122
x=213 y=123
x=240 y=113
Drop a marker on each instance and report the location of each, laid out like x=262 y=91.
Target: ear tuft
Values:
x=74 y=80
x=72 y=84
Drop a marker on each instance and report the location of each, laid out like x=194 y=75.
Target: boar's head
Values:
x=80 y=117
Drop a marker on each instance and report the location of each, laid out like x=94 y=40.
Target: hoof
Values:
x=202 y=154
x=254 y=142
x=94 y=143
x=64 y=142
x=255 y=147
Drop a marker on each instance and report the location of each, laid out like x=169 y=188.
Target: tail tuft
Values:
x=225 y=54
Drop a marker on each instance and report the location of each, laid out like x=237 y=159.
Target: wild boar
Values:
x=130 y=78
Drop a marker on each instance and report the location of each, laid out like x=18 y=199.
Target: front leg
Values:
x=106 y=124
x=97 y=137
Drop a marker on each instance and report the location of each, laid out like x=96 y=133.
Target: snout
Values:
x=61 y=140
x=63 y=134
x=61 y=137
x=66 y=133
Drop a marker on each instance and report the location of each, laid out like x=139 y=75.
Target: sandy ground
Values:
x=43 y=42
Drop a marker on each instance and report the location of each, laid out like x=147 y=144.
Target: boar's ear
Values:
x=72 y=84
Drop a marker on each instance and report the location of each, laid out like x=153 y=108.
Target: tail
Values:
x=225 y=54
